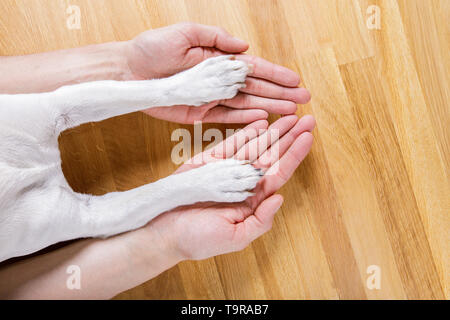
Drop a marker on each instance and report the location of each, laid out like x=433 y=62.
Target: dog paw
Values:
x=215 y=79
x=226 y=181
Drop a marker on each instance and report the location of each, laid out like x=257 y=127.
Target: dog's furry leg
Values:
x=222 y=181
x=214 y=79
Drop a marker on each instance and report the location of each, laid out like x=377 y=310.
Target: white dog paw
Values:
x=214 y=79
x=225 y=181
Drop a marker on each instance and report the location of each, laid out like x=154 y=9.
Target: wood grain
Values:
x=373 y=191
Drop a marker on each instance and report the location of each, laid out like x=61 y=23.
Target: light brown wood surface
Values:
x=373 y=191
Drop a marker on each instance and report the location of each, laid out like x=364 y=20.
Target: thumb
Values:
x=261 y=221
x=214 y=37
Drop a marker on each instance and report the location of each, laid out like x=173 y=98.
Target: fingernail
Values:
x=240 y=40
x=251 y=68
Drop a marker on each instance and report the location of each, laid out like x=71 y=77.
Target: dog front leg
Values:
x=214 y=79
x=117 y=212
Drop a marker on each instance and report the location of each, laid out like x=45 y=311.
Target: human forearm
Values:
x=107 y=267
x=50 y=70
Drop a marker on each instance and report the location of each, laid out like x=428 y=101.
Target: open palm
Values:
x=208 y=229
x=165 y=51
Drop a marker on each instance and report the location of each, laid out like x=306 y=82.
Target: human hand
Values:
x=163 y=52
x=209 y=229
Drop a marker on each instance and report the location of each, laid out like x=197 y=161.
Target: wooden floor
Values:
x=373 y=191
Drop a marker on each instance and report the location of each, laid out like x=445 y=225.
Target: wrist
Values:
x=152 y=251
x=138 y=64
x=106 y=61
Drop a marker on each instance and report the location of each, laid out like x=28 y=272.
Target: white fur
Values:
x=37 y=206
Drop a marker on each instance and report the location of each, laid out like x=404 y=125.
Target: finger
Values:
x=222 y=114
x=263 y=88
x=256 y=147
x=258 y=223
x=279 y=173
x=244 y=101
x=210 y=36
x=227 y=148
x=279 y=148
x=267 y=70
